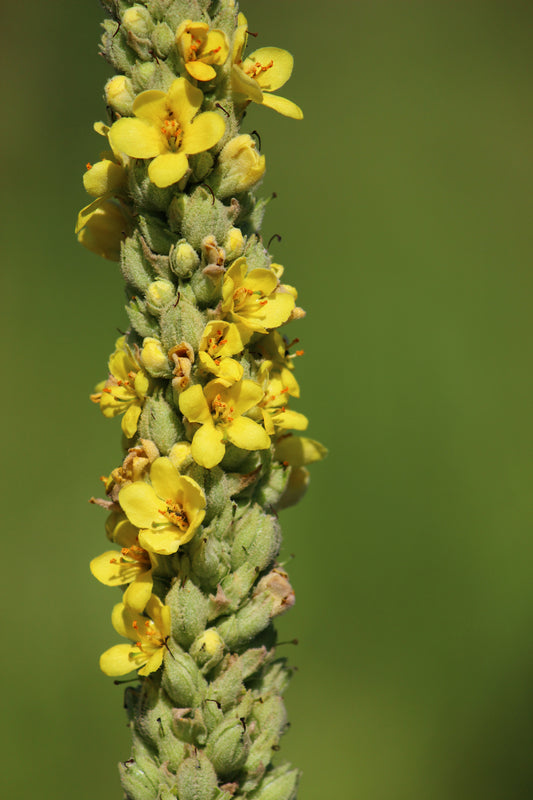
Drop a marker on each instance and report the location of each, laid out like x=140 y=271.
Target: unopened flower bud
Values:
x=119 y=94
x=240 y=166
x=137 y=20
x=234 y=244
x=184 y=259
x=207 y=649
x=279 y=784
x=180 y=455
x=159 y=295
x=153 y=359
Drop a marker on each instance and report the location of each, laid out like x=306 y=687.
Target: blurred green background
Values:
x=404 y=206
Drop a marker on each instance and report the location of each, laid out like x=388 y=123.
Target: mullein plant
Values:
x=202 y=381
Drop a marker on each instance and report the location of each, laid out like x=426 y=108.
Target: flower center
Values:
x=256 y=69
x=214 y=343
x=151 y=638
x=175 y=514
x=172 y=131
x=220 y=411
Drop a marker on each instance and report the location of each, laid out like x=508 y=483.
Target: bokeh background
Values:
x=404 y=206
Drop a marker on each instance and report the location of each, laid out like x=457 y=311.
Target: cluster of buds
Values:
x=202 y=382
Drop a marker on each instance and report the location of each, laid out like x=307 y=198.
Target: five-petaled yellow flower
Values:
x=167 y=129
x=168 y=512
x=125 y=390
x=255 y=301
x=200 y=48
x=149 y=635
x=133 y=566
x=219 y=409
x=221 y=340
x=261 y=73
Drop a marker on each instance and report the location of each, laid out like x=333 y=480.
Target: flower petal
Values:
x=130 y=419
x=138 y=593
x=244 y=84
x=168 y=168
x=153 y=663
x=165 y=478
x=261 y=280
x=121 y=659
x=140 y=503
x=151 y=106
x=126 y=622
x=244 y=396
x=200 y=71
x=104 y=176
x=164 y=541
x=244 y=432
x=275 y=76
x=283 y=106
x=112 y=569
x=193 y=405
x=184 y=100
x=136 y=138
x=203 y=132
x=207 y=448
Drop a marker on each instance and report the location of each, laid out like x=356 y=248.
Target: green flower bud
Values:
x=159 y=423
x=119 y=95
x=182 y=322
x=163 y=39
x=189 y=729
x=188 y=607
x=196 y=779
x=184 y=259
x=140 y=318
x=139 y=781
x=237 y=585
x=135 y=270
x=227 y=747
x=201 y=214
x=209 y=559
x=280 y=783
x=247 y=623
x=159 y=294
x=182 y=680
x=207 y=649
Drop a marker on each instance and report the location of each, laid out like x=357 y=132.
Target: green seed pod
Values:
x=160 y=424
x=227 y=747
x=136 y=271
x=188 y=607
x=257 y=539
x=280 y=783
x=162 y=39
x=196 y=779
x=182 y=322
x=182 y=680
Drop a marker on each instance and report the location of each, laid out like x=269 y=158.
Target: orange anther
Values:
x=88 y=165
x=300 y=352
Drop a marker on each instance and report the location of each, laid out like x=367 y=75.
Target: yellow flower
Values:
x=168 y=512
x=276 y=416
x=167 y=129
x=200 y=47
x=219 y=409
x=149 y=635
x=103 y=225
x=221 y=340
x=275 y=350
x=261 y=73
x=133 y=566
x=125 y=389
x=255 y=301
